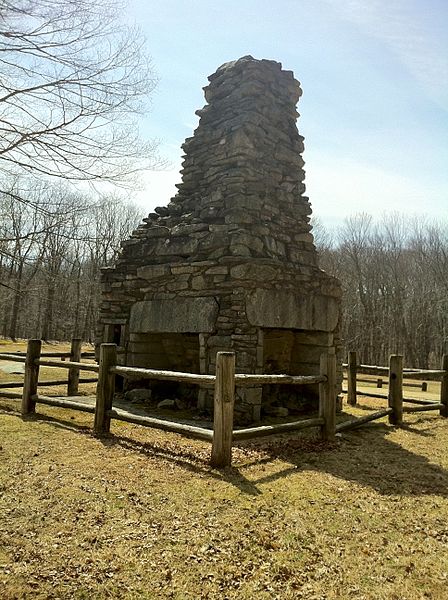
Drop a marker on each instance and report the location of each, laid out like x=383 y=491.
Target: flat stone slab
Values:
x=177 y=315
x=287 y=310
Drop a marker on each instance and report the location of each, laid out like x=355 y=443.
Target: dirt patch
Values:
x=12 y=367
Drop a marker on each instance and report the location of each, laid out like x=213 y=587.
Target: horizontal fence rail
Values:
x=224 y=382
x=249 y=380
x=137 y=372
x=74 y=365
x=265 y=430
x=12 y=395
x=361 y=420
x=63 y=403
x=429 y=406
x=52 y=354
x=427 y=374
x=396 y=381
x=197 y=432
x=68 y=364
x=12 y=357
x=17 y=384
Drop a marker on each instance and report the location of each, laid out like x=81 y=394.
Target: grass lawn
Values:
x=140 y=514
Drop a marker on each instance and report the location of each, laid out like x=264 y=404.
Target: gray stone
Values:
x=177 y=315
x=199 y=283
x=184 y=269
x=180 y=404
x=179 y=246
x=244 y=239
x=217 y=271
x=254 y=272
x=138 y=395
x=288 y=310
x=276 y=411
x=186 y=230
x=231 y=257
x=153 y=271
x=156 y=232
x=167 y=403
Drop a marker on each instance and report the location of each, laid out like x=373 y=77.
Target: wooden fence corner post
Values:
x=223 y=410
x=444 y=387
x=395 y=396
x=351 y=377
x=31 y=376
x=73 y=372
x=105 y=388
x=327 y=396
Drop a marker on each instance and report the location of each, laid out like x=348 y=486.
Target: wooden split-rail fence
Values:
x=396 y=382
x=224 y=382
x=75 y=354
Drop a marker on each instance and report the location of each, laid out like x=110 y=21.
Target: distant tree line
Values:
x=51 y=251
x=394 y=275
x=394 y=272
x=75 y=80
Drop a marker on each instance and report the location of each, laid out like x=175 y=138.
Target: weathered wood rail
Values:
x=75 y=354
x=396 y=374
x=225 y=382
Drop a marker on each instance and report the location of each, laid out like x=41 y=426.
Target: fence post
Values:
x=73 y=373
x=444 y=387
x=395 y=396
x=223 y=410
x=327 y=396
x=31 y=376
x=351 y=378
x=105 y=388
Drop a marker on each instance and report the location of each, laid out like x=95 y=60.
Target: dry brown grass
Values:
x=140 y=514
x=47 y=373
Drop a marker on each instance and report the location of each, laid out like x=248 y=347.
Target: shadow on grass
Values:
x=366 y=456
x=57 y=422
x=195 y=462
x=369 y=457
x=186 y=459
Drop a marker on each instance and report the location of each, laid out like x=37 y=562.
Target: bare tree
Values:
x=50 y=259
x=73 y=77
x=394 y=276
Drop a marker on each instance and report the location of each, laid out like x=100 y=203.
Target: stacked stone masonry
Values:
x=230 y=262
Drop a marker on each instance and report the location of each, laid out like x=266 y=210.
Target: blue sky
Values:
x=374 y=74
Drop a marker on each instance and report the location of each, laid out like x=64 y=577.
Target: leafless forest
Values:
x=394 y=273
x=76 y=78
x=51 y=253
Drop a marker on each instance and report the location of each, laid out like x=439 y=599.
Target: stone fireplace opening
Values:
x=296 y=352
x=230 y=262
x=165 y=351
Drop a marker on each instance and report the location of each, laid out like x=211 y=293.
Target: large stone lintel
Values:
x=177 y=315
x=284 y=309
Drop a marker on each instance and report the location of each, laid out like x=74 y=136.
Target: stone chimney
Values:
x=230 y=263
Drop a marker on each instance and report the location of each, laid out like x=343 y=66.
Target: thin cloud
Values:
x=342 y=187
x=424 y=55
